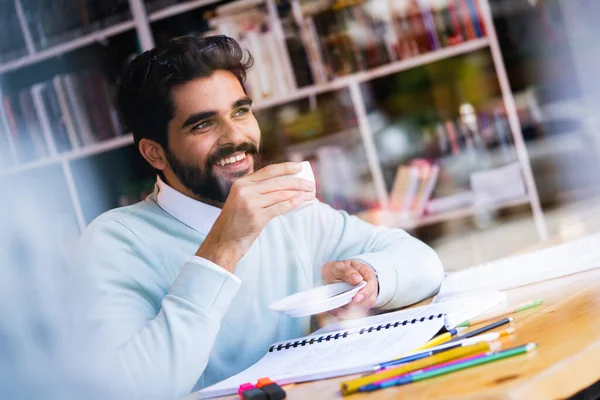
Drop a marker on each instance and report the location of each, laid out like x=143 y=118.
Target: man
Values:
x=184 y=279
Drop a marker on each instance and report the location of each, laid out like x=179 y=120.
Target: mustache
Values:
x=229 y=149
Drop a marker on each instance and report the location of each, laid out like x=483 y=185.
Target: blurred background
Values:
x=469 y=123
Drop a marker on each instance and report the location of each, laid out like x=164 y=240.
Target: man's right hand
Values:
x=253 y=201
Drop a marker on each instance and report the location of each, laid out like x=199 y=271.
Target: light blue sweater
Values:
x=177 y=323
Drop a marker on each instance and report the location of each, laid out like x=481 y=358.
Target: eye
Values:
x=240 y=112
x=203 y=125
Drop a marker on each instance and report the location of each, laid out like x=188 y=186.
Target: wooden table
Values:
x=566 y=328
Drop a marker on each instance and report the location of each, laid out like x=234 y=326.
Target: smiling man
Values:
x=184 y=279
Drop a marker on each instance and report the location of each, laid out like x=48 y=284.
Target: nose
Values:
x=231 y=134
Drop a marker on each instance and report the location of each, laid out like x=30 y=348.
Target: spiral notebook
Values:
x=351 y=350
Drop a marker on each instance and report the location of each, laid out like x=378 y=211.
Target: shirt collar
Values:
x=195 y=214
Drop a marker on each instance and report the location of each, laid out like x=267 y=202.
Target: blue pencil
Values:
x=414 y=357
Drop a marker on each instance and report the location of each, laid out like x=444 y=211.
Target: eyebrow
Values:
x=201 y=116
x=244 y=101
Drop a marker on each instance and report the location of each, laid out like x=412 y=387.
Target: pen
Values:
x=488 y=317
x=442 y=370
x=482 y=330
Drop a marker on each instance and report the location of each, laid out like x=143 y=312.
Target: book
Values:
x=354 y=346
x=44 y=120
x=65 y=111
x=430 y=26
x=32 y=134
x=465 y=19
x=399 y=188
x=475 y=17
x=428 y=180
x=78 y=110
x=11 y=125
x=458 y=34
x=412 y=187
x=58 y=127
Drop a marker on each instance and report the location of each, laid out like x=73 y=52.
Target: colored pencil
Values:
x=485 y=337
x=439 y=339
x=482 y=330
x=414 y=357
x=351 y=386
x=490 y=316
x=434 y=372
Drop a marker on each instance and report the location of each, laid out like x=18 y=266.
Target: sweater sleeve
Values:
x=408 y=270
x=152 y=342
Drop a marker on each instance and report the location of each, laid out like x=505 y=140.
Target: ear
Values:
x=153 y=153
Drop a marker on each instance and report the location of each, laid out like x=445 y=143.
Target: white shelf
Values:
x=392 y=220
x=96 y=148
x=179 y=9
x=67 y=46
x=384 y=70
x=362 y=76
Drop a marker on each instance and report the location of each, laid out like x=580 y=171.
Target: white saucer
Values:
x=317 y=300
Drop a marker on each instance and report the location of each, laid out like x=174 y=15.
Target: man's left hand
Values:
x=353 y=272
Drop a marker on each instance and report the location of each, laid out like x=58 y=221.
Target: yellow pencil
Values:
x=439 y=339
x=351 y=386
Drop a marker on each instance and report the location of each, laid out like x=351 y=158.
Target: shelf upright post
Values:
x=281 y=46
x=73 y=194
x=142 y=25
x=367 y=139
x=513 y=119
x=24 y=28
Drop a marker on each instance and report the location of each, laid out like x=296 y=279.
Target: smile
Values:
x=233 y=159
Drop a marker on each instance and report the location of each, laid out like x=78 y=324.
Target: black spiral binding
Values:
x=343 y=335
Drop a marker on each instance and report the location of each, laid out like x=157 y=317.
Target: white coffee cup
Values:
x=306 y=173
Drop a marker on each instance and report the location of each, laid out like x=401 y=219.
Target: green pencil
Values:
x=422 y=375
x=487 y=317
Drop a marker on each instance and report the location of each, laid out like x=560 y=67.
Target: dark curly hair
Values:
x=144 y=96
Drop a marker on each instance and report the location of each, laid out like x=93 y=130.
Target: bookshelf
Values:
x=143 y=24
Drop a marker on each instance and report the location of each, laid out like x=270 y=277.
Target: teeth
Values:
x=226 y=161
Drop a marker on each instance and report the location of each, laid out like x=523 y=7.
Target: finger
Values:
x=343 y=271
x=273 y=170
x=270 y=199
x=367 y=296
x=285 y=183
x=286 y=206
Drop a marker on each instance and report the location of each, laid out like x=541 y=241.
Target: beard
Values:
x=202 y=181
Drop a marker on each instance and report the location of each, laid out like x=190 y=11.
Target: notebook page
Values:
x=565 y=259
x=457 y=311
x=352 y=354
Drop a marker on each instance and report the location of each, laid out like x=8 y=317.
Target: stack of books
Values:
x=54 y=22
x=68 y=112
x=250 y=23
x=350 y=36
x=413 y=187
x=12 y=42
